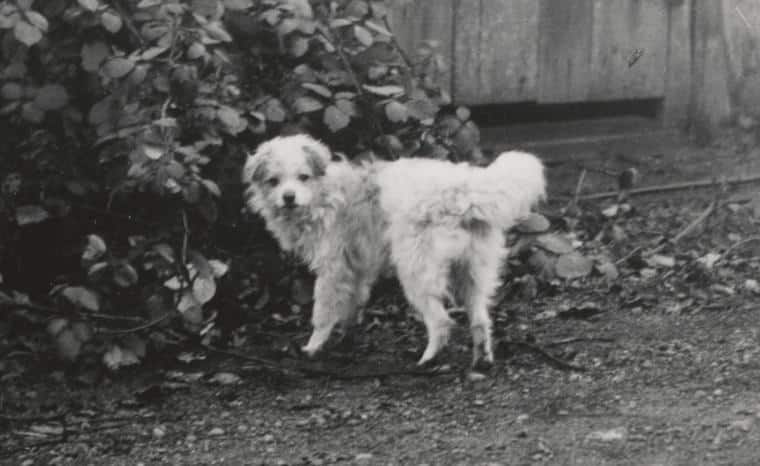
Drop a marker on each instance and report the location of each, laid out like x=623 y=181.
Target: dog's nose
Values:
x=289 y=198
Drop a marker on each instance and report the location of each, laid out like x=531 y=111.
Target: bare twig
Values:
x=310 y=371
x=578 y=187
x=694 y=223
x=556 y=362
x=674 y=187
x=736 y=245
x=687 y=230
x=570 y=340
x=139 y=328
x=185 y=236
x=397 y=46
x=127 y=18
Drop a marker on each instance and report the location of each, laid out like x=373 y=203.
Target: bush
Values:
x=128 y=122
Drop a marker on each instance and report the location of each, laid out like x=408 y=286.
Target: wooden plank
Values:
x=629 y=49
x=495 y=51
x=564 y=51
x=675 y=110
x=415 y=22
x=710 y=90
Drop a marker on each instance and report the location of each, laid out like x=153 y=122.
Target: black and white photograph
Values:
x=380 y=232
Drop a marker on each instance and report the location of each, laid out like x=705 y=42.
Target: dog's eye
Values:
x=303 y=177
x=273 y=182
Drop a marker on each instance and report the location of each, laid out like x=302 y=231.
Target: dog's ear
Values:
x=255 y=169
x=317 y=160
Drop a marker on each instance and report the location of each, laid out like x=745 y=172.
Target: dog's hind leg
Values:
x=424 y=283
x=484 y=265
x=334 y=302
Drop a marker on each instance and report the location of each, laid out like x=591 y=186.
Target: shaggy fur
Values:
x=440 y=226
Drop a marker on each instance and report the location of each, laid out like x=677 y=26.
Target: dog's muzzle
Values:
x=289 y=199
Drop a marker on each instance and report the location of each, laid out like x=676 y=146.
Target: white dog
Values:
x=440 y=225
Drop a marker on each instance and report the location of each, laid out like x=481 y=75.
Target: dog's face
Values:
x=284 y=173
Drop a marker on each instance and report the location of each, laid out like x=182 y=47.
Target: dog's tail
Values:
x=510 y=186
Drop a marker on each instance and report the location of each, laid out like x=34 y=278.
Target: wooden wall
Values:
x=726 y=63
x=701 y=57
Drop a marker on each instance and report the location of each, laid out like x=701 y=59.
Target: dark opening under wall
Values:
x=525 y=113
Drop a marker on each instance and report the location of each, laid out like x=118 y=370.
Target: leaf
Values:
x=11 y=91
x=153 y=152
x=363 y=35
x=96 y=268
x=31 y=112
x=118 y=67
x=149 y=3
x=111 y=21
x=608 y=269
x=89 y=5
x=56 y=325
x=9 y=16
x=196 y=50
x=100 y=112
x=573 y=265
x=39 y=21
x=29 y=214
x=533 y=223
x=307 y=104
x=346 y=106
x=51 y=97
x=125 y=275
x=83 y=331
x=153 y=52
x=274 y=110
x=378 y=28
x=93 y=54
x=226 y=378
x=217 y=31
x=384 y=91
x=341 y=22
x=335 y=118
x=396 y=112
x=204 y=289
x=318 y=89
x=233 y=122
x=299 y=46
x=164 y=250
x=554 y=243
x=218 y=268
x=68 y=345
x=116 y=358
x=212 y=187
x=357 y=9
x=82 y=297
x=660 y=260
x=238 y=4
x=94 y=249
x=26 y=33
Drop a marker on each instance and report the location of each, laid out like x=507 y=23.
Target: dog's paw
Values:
x=309 y=352
x=482 y=365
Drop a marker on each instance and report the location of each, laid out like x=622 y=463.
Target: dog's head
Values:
x=283 y=173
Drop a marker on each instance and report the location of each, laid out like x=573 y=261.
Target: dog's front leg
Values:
x=333 y=303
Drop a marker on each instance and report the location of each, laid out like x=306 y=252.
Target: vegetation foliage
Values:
x=125 y=124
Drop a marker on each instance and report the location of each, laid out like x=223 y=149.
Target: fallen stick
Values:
x=556 y=362
x=734 y=246
x=694 y=223
x=673 y=187
x=570 y=340
x=678 y=237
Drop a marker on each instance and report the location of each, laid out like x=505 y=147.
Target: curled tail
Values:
x=508 y=188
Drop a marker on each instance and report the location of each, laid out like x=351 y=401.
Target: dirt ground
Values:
x=670 y=357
